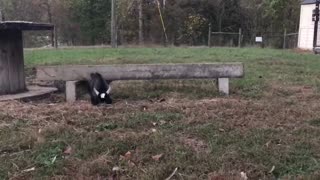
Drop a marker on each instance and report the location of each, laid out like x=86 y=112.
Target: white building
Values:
x=306 y=30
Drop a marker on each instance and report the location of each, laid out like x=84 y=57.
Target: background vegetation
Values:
x=87 y=22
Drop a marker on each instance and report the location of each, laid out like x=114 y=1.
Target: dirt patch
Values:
x=195 y=144
x=302 y=51
x=227 y=176
x=126 y=134
x=228 y=112
x=293 y=92
x=280 y=63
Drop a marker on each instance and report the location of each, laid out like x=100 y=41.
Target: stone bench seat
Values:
x=75 y=73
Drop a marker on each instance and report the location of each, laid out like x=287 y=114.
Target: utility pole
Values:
x=141 y=40
x=315 y=16
x=113 y=24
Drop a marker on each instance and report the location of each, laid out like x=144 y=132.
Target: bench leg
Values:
x=223 y=85
x=71 y=91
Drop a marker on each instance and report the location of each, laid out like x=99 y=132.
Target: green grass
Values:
x=161 y=55
x=261 y=65
x=268 y=127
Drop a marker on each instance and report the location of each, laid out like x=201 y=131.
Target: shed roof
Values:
x=308 y=2
x=23 y=25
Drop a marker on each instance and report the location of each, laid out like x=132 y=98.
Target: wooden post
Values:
x=240 y=38
x=209 y=35
x=12 y=77
x=55 y=37
x=52 y=37
x=113 y=24
x=284 y=38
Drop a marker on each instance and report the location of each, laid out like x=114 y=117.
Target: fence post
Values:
x=209 y=36
x=284 y=38
x=240 y=38
x=55 y=34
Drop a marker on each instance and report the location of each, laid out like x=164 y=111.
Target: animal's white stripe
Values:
x=109 y=90
x=96 y=91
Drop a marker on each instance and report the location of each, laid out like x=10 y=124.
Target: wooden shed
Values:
x=306 y=29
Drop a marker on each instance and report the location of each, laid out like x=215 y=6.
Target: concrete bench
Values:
x=75 y=73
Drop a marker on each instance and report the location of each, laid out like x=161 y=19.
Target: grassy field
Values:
x=268 y=128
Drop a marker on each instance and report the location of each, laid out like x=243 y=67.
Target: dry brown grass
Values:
x=268 y=128
x=212 y=128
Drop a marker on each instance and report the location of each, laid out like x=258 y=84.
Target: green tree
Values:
x=93 y=17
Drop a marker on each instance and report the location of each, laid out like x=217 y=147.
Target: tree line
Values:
x=186 y=22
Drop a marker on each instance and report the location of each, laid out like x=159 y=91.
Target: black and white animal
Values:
x=99 y=90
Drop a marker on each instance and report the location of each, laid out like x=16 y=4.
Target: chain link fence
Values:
x=282 y=40
x=239 y=38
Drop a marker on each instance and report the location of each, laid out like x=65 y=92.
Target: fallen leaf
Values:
x=54 y=159
x=268 y=143
x=116 y=168
x=128 y=155
x=272 y=169
x=68 y=150
x=173 y=173
x=122 y=158
x=243 y=176
x=153 y=130
x=131 y=164
x=29 y=170
x=157 y=157
x=144 y=108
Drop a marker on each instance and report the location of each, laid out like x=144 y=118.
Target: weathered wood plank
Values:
x=16 y=64
x=142 y=71
x=33 y=93
x=4 y=73
x=23 y=25
x=12 y=78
